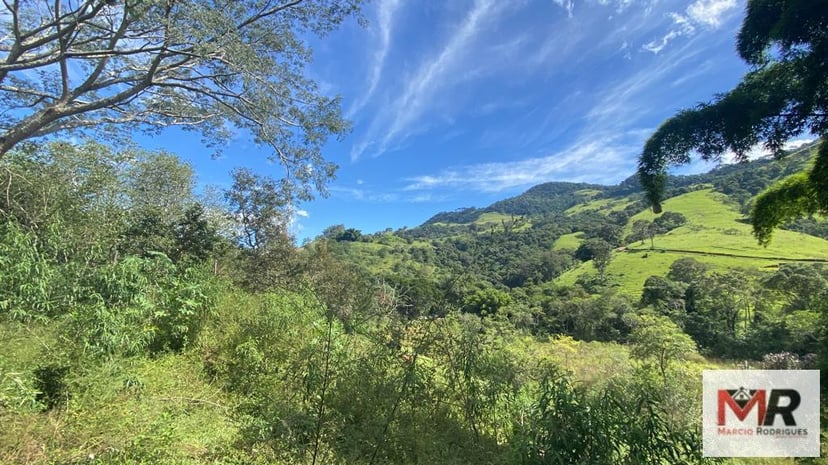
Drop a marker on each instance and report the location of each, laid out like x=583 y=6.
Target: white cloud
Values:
x=697 y=165
x=633 y=97
x=798 y=142
x=596 y=158
x=352 y=193
x=658 y=45
x=294 y=224
x=567 y=5
x=426 y=198
x=702 y=13
x=710 y=12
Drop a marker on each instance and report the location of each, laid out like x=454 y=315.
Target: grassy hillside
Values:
x=715 y=234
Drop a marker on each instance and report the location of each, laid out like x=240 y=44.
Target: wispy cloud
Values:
x=385 y=21
x=702 y=13
x=611 y=131
x=360 y=194
x=710 y=12
x=394 y=123
x=631 y=98
x=581 y=161
x=294 y=222
x=567 y=5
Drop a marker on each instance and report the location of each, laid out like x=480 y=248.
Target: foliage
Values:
x=27 y=278
x=210 y=67
x=598 y=250
x=783 y=96
x=486 y=301
x=262 y=211
x=570 y=426
x=431 y=345
x=50 y=383
x=137 y=305
x=658 y=339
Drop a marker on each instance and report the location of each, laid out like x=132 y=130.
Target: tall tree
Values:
x=215 y=66
x=262 y=212
x=784 y=95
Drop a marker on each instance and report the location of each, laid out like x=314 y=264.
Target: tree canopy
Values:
x=784 y=95
x=218 y=67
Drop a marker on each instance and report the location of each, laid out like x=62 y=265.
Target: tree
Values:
x=666 y=296
x=215 y=66
x=350 y=235
x=597 y=250
x=259 y=207
x=486 y=301
x=158 y=190
x=659 y=339
x=640 y=231
x=262 y=212
x=784 y=95
x=803 y=286
x=160 y=184
x=195 y=237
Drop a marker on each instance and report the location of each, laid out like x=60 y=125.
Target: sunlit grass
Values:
x=568 y=241
x=715 y=231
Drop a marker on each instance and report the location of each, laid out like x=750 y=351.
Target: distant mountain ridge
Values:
x=556 y=197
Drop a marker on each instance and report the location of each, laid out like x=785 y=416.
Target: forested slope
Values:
x=143 y=323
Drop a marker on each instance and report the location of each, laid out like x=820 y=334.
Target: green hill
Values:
x=715 y=234
x=530 y=239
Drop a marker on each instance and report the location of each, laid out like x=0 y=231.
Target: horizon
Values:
x=464 y=103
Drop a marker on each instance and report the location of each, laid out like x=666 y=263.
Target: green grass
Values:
x=587 y=192
x=492 y=218
x=136 y=410
x=714 y=227
x=568 y=241
x=497 y=220
x=385 y=258
x=604 y=206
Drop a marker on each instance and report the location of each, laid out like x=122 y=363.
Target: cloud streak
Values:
x=417 y=94
x=612 y=131
x=385 y=20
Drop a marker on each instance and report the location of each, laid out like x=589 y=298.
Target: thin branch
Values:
x=397 y=402
x=93 y=76
x=264 y=14
x=325 y=382
x=26 y=91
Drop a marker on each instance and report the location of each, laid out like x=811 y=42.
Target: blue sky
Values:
x=461 y=103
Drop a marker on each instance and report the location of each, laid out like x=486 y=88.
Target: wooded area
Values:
x=143 y=320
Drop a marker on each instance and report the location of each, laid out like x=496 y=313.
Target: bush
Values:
x=568 y=425
x=27 y=277
x=140 y=304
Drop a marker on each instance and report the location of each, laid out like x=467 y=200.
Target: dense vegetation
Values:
x=145 y=323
